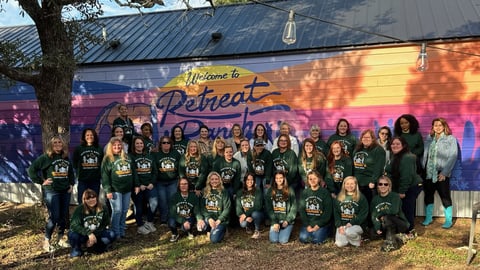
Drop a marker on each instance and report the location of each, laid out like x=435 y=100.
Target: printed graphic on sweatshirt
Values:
x=347 y=210
x=259 y=166
x=280 y=165
x=184 y=209
x=313 y=206
x=192 y=169
x=92 y=222
x=227 y=174
x=212 y=203
x=338 y=174
x=60 y=168
x=166 y=165
x=90 y=160
x=247 y=201
x=123 y=167
x=144 y=165
x=359 y=160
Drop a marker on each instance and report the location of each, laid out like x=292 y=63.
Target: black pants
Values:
x=443 y=188
x=391 y=225
x=409 y=204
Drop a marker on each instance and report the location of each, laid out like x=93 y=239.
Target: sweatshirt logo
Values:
x=60 y=168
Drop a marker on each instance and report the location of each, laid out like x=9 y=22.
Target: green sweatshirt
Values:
x=247 y=203
x=87 y=161
x=380 y=206
x=368 y=165
x=216 y=205
x=57 y=168
x=315 y=207
x=287 y=162
x=145 y=166
x=415 y=143
x=231 y=173
x=350 y=211
x=180 y=146
x=167 y=165
x=149 y=144
x=92 y=222
x=342 y=168
x=119 y=175
x=279 y=210
x=195 y=171
x=183 y=208
x=319 y=165
x=349 y=141
x=408 y=173
x=262 y=165
x=322 y=146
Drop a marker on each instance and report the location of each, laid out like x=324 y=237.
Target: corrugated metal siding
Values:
x=257 y=29
x=462 y=204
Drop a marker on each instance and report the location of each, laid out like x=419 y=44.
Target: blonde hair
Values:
x=343 y=193
x=214 y=148
x=208 y=187
x=49 y=151
x=109 y=151
x=198 y=156
x=89 y=193
x=389 y=181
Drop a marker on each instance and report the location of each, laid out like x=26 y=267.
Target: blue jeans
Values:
x=173 y=224
x=257 y=220
x=120 y=203
x=217 y=234
x=281 y=236
x=151 y=196
x=82 y=186
x=104 y=239
x=317 y=237
x=165 y=192
x=57 y=205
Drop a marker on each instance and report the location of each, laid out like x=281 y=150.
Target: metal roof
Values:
x=249 y=29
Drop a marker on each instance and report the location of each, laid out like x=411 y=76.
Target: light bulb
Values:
x=422 y=59
x=290 y=31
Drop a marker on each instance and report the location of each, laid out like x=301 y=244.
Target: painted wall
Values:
x=370 y=88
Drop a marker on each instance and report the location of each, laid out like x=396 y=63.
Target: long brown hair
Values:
x=447 y=130
x=284 y=187
x=331 y=156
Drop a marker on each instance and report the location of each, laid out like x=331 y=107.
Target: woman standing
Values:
x=261 y=165
x=310 y=159
x=237 y=136
x=147 y=133
x=87 y=159
x=205 y=144
x=167 y=161
x=194 y=167
x=387 y=215
x=244 y=155
x=184 y=210
x=89 y=225
x=118 y=180
x=249 y=205
x=344 y=135
x=439 y=159
x=407 y=126
x=284 y=159
x=53 y=170
x=316 y=136
x=260 y=132
x=215 y=206
x=179 y=141
x=280 y=204
x=368 y=163
x=315 y=208
x=406 y=181
x=339 y=167
x=145 y=167
x=350 y=212
x=118 y=132
x=384 y=140
x=124 y=122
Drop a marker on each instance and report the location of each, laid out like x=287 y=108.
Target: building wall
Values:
x=371 y=88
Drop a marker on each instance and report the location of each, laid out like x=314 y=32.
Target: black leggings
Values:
x=443 y=188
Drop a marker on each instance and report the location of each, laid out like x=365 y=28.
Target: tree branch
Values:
x=18 y=74
x=32 y=8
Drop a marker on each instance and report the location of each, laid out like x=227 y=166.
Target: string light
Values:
x=422 y=59
x=290 y=31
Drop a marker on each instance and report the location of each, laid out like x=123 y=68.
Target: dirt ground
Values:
x=21 y=232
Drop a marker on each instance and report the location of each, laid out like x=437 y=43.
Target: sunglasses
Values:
x=165 y=142
x=382 y=184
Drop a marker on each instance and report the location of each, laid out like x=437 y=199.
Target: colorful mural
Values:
x=370 y=88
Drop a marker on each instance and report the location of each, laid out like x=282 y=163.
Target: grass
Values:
x=21 y=233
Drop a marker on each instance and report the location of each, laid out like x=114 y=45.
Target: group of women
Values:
x=205 y=185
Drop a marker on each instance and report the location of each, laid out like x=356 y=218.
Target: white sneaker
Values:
x=150 y=226
x=143 y=230
x=63 y=243
x=174 y=238
x=190 y=236
x=256 y=235
x=46 y=246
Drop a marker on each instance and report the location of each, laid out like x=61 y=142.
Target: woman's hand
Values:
x=92 y=240
x=276 y=227
x=47 y=182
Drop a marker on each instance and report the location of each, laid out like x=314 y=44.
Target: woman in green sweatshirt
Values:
x=118 y=180
x=89 y=225
x=249 y=205
x=387 y=215
x=281 y=207
x=53 y=170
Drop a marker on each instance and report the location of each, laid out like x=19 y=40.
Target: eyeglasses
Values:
x=165 y=142
x=382 y=184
